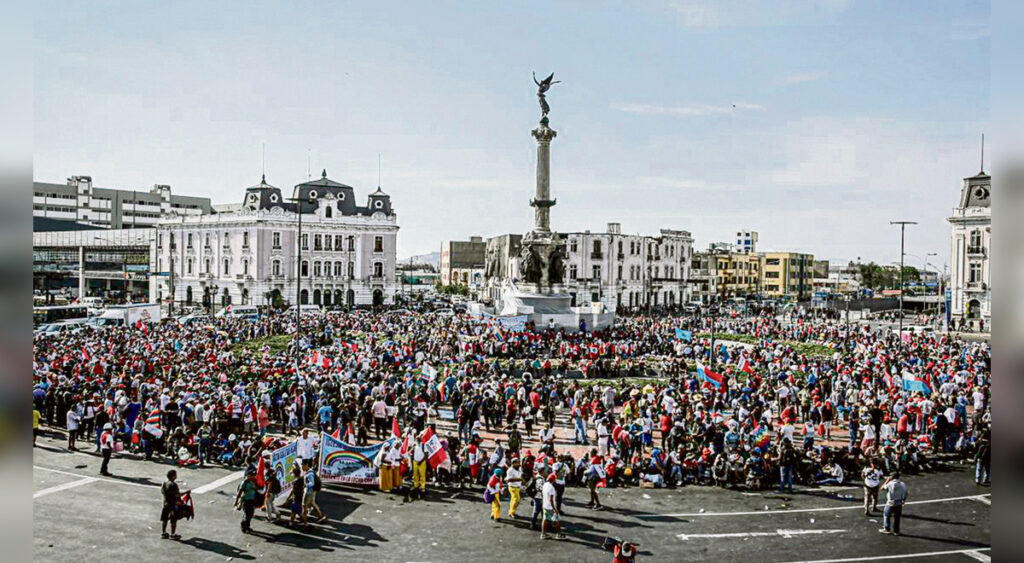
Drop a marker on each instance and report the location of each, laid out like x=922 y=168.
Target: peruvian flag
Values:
x=85 y=354
x=337 y=433
x=744 y=365
x=435 y=452
x=350 y=434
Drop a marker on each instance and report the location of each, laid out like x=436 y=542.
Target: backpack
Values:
x=317 y=483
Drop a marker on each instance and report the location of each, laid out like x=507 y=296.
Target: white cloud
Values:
x=752 y=13
x=798 y=77
x=686 y=110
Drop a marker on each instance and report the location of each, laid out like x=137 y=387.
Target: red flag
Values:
x=337 y=433
x=350 y=436
x=396 y=432
x=261 y=471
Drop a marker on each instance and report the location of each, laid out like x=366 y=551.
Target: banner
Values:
x=282 y=460
x=515 y=323
x=345 y=463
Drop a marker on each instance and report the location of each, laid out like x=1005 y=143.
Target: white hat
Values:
x=108 y=426
x=231 y=437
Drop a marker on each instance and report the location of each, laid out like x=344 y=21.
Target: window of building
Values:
x=327 y=212
x=378 y=269
x=206 y=241
x=276 y=267
x=208 y=266
x=339 y=242
x=572 y=246
x=351 y=243
x=188 y=266
x=245 y=239
x=620 y=272
x=596 y=272
x=316 y=269
x=318 y=242
x=304 y=242
x=351 y=269
x=620 y=248
x=597 y=247
x=975 y=239
x=572 y=272
x=974 y=273
x=338 y=267
x=277 y=240
x=304 y=270
x=378 y=244
x=227 y=266
x=245 y=267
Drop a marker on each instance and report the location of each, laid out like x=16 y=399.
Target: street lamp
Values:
x=903 y=236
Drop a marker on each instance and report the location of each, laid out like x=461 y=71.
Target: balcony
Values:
x=243 y=277
x=976 y=286
x=976 y=251
x=378 y=279
x=621 y=257
x=596 y=256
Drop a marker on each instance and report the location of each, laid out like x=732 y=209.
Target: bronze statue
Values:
x=543 y=87
x=556 y=268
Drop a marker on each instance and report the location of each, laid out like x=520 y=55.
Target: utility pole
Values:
x=903 y=235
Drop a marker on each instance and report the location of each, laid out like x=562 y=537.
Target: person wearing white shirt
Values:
x=419 y=467
x=72 y=425
x=551 y=517
x=306 y=445
x=514 y=478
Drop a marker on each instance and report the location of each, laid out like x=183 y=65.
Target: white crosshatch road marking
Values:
x=972 y=553
x=776 y=533
x=64 y=486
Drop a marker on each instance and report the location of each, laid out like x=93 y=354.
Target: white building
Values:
x=746 y=241
x=970 y=273
x=80 y=201
x=621 y=271
x=251 y=256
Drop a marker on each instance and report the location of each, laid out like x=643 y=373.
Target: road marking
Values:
x=780 y=533
x=968 y=552
x=983 y=499
x=117 y=481
x=978 y=555
x=800 y=510
x=219 y=483
x=57 y=488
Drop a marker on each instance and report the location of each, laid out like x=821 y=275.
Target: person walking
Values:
x=245 y=499
x=106 y=447
x=492 y=493
x=169 y=513
x=313 y=485
x=872 y=481
x=72 y=425
x=514 y=479
x=552 y=520
x=273 y=489
x=896 y=496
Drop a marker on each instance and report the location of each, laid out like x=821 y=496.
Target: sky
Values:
x=815 y=123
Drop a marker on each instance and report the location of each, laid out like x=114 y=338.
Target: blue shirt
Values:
x=325 y=413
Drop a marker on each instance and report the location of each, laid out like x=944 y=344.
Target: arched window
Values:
x=277 y=267
x=338 y=271
x=316 y=296
x=245 y=271
x=305 y=268
x=327 y=212
x=227 y=266
x=188 y=265
x=378 y=269
x=304 y=297
x=316 y=269
x=208 y=266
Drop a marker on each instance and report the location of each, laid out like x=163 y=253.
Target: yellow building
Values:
x=787 y=275
x=739 y=274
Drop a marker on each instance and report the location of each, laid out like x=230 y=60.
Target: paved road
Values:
x=80 y=516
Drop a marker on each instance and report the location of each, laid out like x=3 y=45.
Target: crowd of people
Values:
x=656 y=401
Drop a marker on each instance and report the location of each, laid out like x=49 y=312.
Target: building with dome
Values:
x=254 y=255
x=970 y=276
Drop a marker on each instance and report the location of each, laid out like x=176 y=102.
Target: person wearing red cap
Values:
x=551 y=516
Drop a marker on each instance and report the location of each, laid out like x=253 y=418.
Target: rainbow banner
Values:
x=282 y=460
x=344 y=463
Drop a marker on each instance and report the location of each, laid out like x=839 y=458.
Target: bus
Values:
x=58 y=313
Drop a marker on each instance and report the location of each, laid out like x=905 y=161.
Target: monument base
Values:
x=553 y=310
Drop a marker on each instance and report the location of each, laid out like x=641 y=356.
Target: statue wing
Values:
x=547 y=81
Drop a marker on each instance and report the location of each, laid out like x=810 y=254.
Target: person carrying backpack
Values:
x=313 y=486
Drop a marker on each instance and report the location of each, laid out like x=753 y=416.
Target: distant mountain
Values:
x=432 y=258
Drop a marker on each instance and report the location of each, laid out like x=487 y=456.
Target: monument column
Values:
x=543 y=202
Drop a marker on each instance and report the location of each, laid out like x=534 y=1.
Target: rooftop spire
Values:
x=324 y=173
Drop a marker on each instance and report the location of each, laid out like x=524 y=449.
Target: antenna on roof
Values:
x=309 y=166
x=982 y=153
x=263 y=160
x=378 y=170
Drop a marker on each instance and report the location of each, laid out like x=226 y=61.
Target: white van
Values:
x=240 y=312
x=308 y=309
